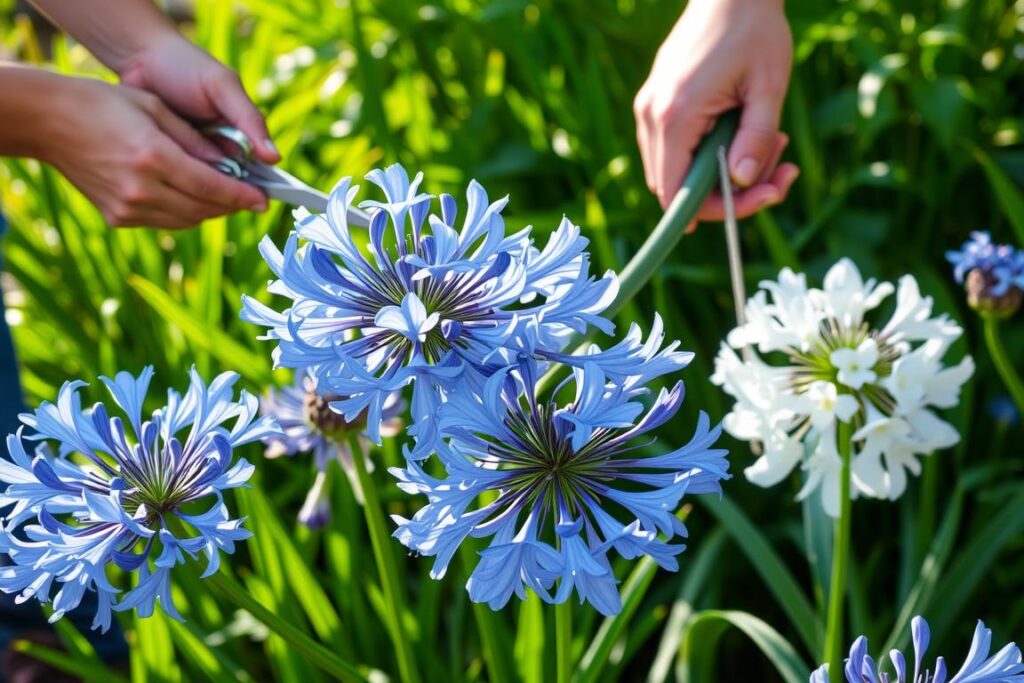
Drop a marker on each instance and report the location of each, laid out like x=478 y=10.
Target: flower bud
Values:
x=319 y=413
x=982 y=297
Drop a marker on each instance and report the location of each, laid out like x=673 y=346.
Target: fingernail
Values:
x=269 y=145
x=258 y=207
x=746 y=171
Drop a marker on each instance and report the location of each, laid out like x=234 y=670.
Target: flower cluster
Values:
x=308 y=425
x=430 y=303
x=141 y=498
x=1003 y=667
x=837 y=368
x=470 y=318
x=556 y=488
x=993 y=274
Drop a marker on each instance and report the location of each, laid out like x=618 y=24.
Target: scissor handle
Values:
x=235 y=145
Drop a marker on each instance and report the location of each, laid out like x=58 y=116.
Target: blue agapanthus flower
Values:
x=557 y=488
x=308 y=425
x=1001 y=264
x=141 y=496
x=1002 y=667
x=429 y=302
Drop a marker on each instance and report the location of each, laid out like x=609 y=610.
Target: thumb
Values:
x=230 y=99
x=755 y=142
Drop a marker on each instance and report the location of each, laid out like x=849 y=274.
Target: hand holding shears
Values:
x=274 y=182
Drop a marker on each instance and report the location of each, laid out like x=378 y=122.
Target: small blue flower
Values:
x=112 y=495
x=309 y=426
x=550 y=485
x=1001 y=264
x=1004 y=411
x=1002 y=667
x=430 y=302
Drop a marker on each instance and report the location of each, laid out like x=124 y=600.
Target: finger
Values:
x=229 y=97
x=641 y=112
x=781 y=141
x=150 y=217
x=190 y=210
x=201 y=182
x=755 y=140
x=674 y=142
x=753 y=199
x=185 y=135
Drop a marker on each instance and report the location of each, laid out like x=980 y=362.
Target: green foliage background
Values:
x=906 y=117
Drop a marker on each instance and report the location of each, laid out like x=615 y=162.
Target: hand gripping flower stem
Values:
x=563 y=641
x=680 y=213
x=1003 y=364
x=389 y=578
x=840 y=556
x=670 y=229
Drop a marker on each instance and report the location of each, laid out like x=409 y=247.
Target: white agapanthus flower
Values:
x=822 y=363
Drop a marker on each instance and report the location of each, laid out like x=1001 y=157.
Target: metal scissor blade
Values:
x=279 y=184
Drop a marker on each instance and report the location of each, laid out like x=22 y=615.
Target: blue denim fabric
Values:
x=16 y=619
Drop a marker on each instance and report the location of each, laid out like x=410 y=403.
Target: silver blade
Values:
x=279 y=184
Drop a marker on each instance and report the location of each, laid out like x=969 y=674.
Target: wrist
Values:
x=32 y=111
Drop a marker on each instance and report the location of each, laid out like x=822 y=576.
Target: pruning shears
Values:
x=274 y=182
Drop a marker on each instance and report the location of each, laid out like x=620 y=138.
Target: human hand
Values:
x=198 y=87
x=136 y=160
x=721 y=54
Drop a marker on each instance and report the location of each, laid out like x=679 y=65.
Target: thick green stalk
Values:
x=386 y=567
x=563 y=641
x=311 y=650
x=1002 y=362
x=699 y=181
x=840 y=559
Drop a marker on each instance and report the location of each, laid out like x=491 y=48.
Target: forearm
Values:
x=113 y=30
x=29 y=109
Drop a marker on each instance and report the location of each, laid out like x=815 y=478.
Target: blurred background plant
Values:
x=907 y=120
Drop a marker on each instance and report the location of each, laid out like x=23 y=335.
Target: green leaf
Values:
x=973 y=562
x=1008 y=194
x=214 y=665
x=684 y=606
x=704 y=630
x=302 y=581
x=203 y=335
x=920 y=595
x=87 y=670
x=777 y=578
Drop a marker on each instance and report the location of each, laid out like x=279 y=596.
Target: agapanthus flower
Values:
x=308 y=425
x=557 y=488
x=429 y=302
x=140 y=496
x=821 y=363
x=1002 y=667
x=992 y=274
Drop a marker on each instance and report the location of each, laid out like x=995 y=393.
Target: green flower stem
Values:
x=697 y=185
x=1002 y=362
x=492 y=643
x=563 y=641
x=311 y=650
x=493 y=637
x=236 y=593
x=840 y=558
x=386 y=567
